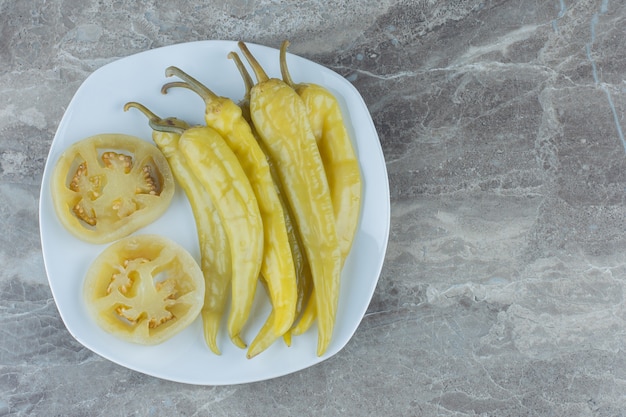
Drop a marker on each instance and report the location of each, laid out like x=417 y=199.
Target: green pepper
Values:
x=277 y=268
x=280 y=118
x=213 y=242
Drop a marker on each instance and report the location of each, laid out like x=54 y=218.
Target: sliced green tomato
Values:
x=108 y=186
x=144 y=289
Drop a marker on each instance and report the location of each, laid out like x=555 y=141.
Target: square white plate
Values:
x=97 y=107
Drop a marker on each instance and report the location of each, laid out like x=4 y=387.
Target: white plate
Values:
x=97 y=108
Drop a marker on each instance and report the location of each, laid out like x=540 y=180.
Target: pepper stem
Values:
x=192 y=83
x=283 y=64
x=261 y=76
x=147 y=112
x=171 y=124
x=247 y=79
x=174 y=84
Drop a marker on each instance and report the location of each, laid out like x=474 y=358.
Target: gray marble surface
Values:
x=502 y=292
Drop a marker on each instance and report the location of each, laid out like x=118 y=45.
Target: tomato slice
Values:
x=144 y=289
x=108 y=186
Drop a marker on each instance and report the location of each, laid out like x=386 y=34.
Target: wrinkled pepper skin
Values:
x=214 y=250
x=304 y=280
x=221 y=174
x=340 y=164
x=280 y=118
x=277 y=268
x=338 y=156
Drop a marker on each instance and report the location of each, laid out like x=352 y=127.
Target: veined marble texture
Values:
x=502 y=124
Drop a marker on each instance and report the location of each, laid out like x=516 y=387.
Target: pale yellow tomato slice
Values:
x=144 y=289
x=108 y=186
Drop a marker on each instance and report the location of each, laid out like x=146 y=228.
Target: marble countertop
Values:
x=501 y=122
